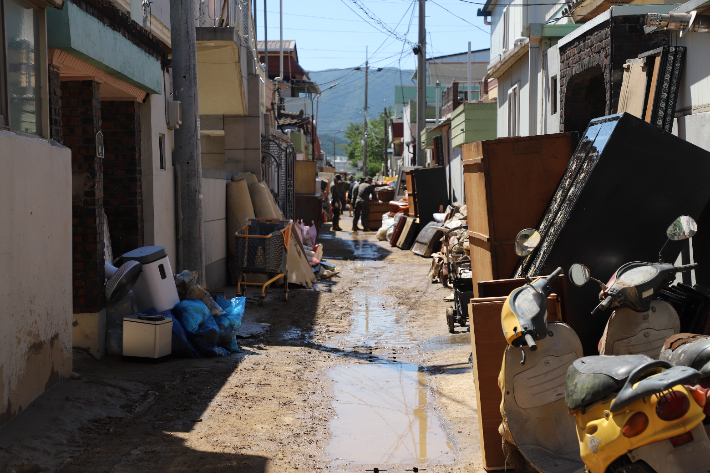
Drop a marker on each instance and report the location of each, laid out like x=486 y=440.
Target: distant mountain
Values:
x=344 y=103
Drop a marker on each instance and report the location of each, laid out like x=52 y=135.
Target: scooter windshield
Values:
x=527 y=302
x=638 y=275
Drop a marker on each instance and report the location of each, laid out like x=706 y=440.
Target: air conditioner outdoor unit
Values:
x=174 y=114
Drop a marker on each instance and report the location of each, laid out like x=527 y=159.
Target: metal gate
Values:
x=277 y=164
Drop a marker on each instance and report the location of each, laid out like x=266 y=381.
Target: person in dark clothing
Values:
x=351 y=185
x=337 y=201
x=362 y=204
x=354 y=202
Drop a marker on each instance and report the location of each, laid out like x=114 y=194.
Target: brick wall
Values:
x=589 y=54
x=600 y=53
x=81 y=121
x=123 y=197
x=55 y=105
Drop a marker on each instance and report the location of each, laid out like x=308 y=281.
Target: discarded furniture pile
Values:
x=605 y=200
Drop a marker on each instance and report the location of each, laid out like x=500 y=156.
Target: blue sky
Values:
x=329 y=35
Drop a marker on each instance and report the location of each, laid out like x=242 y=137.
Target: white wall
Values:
x=158 y=184
x=517 y=74
x=695 y=77
x=36 y=277
x=549 y=122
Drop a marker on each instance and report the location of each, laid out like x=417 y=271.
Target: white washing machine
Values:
x=155 y=288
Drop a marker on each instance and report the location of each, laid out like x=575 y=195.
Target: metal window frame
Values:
x=42 y=62
x=514 y=104
x=554 y=96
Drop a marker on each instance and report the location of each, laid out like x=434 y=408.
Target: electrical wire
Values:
x=460 y=18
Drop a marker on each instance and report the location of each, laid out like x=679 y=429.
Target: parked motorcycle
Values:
x=635 y=414
x=641 y=324
x=536 y=424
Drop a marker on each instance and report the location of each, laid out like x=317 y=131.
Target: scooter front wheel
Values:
x=625 y=465
x=513 y=457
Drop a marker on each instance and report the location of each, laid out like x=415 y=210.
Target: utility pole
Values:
x=187 y=156
x=364 y=140
x=281 y=40
x=266 y=42
x=386 y=145
x=421 y=85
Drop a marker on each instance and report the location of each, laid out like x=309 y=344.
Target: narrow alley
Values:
x=356 y=373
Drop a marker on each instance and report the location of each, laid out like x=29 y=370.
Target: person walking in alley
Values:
x=337 y=201
x=353 y=202
x=362 y=204
x=351 y=184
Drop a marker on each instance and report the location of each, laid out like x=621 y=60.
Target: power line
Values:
x=460 y=18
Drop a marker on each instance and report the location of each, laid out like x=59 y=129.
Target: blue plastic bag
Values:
x=231 y=322
x=180 y=346
x=191 y=313
x=201 y=327
x=205 y=339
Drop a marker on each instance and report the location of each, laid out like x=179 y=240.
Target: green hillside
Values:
x=344 y=103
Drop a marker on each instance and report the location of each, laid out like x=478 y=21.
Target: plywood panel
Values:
x=305 y=177
x=633 y=88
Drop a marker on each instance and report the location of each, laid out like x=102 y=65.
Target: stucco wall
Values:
x=36 y=276
x=517 y=74
x=158 y=184
x=214 y=211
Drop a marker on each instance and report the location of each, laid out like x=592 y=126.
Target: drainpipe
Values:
x=533 y=65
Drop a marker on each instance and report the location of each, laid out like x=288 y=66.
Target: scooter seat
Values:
x=687 y=349
x=592 y=378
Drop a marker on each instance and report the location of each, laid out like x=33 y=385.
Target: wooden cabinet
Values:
x=411 y=193
x=508 y=184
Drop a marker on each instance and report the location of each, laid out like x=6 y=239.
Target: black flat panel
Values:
x=625 y=184
x=431 y=192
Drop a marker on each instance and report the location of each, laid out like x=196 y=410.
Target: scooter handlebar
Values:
x=531 y=342
x=554 y=275
x=686 y=267
x=603 y=305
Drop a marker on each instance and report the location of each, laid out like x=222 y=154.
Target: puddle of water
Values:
x=373 y=325
x=383 y=417
x=457 y=339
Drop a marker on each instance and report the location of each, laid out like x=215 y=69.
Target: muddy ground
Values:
x=355 y=373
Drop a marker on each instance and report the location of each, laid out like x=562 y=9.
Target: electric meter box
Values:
x=155 y=288
x=147 y=338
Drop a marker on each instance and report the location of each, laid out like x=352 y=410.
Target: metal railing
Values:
x=228 y=13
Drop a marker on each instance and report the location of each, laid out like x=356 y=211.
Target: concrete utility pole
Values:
x=421 y=85
x=386 y=144
x=364 y=139
x=187 y=155
x=469 y=93
x=266 y=42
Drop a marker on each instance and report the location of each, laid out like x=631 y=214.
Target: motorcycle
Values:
x=641 y=324
x=536 y=427
x=633 y=413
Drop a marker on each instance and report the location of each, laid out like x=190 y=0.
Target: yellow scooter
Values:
x=536 y=427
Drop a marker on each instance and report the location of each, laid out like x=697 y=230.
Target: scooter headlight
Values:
x=527 y=302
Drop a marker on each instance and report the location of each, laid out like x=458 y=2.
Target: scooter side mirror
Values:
x=579 y=274
x=682 y=228
x=526 y=241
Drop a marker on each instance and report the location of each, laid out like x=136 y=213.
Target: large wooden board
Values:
x=633 y=88
x=488 y=346
x=305 y=177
